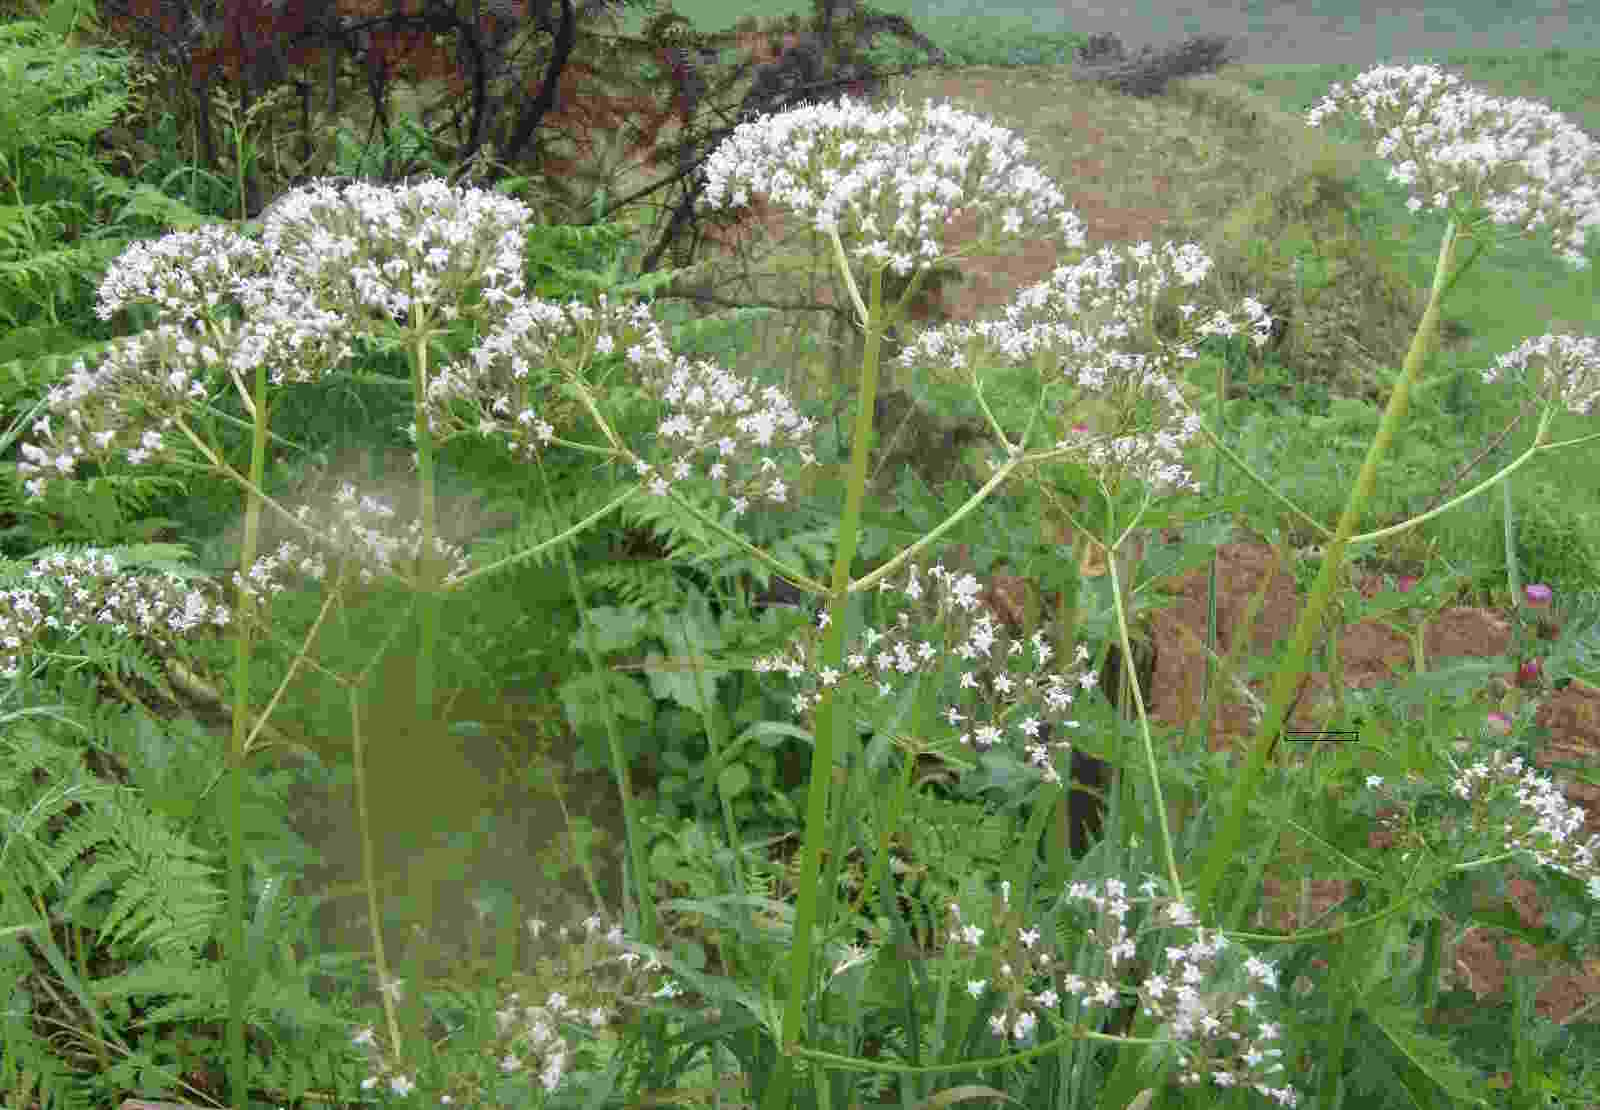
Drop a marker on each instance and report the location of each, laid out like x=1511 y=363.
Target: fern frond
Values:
x=681 y=533
x=28 y=759
x=651 y=585
x=164 y=896
x=60 y=91
x=55 y=270
x=146 y=203
x=199 y=991
x=539 y=525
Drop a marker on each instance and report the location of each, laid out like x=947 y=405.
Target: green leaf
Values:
x=676 y=682
x=585 y=697
x=1427 y=1054
x=733 y=781
x=62 y=18
x=770 y=734
x=615 y=629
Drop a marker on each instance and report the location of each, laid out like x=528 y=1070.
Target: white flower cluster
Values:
x=506 y=368
x=375 y=250
x=894 y=178
x=329 y=261
x=1571 y=369
x=145 y=382
x=358 y=536
x=528 y=1038
x=882 y=661
x=186 y=275
x=1548 y=826
x=718 y=425
x=89 y=589
x=1043 y=321
x=1211 y=1016
x=1527 y=165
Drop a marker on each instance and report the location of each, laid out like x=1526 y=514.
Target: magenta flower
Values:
x=1499 y=722
x=1406 y=583
x=1538 y=595
x=1529 y=671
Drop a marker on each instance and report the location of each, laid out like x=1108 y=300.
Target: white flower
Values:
x=1463 y=142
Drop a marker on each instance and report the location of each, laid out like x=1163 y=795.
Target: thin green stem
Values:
x=369 y=873
x=428 y=564
x=619 y=761
x=1130 y=671
x=891 y=818
x=1510 y=468
x=1211 y=576
x=538 y=549
x=1428 y=974
x=717 y=745
x=1076 y=1033
x=868 y=581
x=1266 y=487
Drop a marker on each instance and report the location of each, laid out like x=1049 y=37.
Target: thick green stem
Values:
x=1225 y=845
x=238 y=963
x=831 y=725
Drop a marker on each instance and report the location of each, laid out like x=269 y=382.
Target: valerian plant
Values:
x=400 y=265
x=1487 y=162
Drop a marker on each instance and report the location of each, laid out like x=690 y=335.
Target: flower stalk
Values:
x=1292 y=669
x=239 y=965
